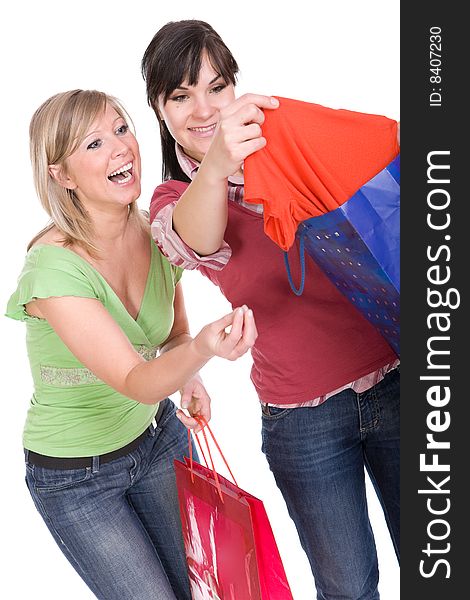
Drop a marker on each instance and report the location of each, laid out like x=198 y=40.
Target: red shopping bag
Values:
x=230 y=547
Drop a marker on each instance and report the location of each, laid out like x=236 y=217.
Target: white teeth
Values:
x=203 y=129
x=121 y=170
x=125 y=180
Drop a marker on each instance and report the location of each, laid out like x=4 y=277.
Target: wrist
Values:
x=196 y=346
x=210 y=175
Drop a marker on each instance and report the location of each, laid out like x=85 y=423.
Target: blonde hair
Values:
x=56 y=130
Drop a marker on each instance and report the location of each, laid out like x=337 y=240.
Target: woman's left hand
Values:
x=196 y=400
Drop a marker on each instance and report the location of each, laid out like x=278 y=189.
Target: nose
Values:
x=203 y=108
x=120 y=147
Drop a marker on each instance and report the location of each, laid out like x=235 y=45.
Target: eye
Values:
x=94 y=145
x=180 y=98
x=122 y=129
x=218 y=88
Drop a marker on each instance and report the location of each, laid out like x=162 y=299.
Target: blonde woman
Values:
x=108 y=341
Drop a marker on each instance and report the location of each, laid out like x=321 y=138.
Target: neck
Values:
x=110 y=226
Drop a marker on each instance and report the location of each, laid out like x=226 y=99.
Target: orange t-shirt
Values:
x=315 y=159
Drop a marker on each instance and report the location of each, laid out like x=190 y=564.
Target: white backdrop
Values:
x=338 y=53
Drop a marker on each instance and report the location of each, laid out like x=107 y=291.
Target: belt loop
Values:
x=26 y=455
x=95 y=464
x=153 y=427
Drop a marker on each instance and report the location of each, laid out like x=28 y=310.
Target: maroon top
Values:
x=307 y=345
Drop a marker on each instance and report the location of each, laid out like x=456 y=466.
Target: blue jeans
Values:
x=119 y=524
x=317 y=456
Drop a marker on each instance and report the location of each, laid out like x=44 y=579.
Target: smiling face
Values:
x=191 y=113
x=105 y=168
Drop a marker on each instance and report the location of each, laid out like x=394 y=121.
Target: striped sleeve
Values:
x=163 y=203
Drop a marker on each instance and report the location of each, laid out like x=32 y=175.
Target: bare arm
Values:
x=91 y=334
x=200 y=217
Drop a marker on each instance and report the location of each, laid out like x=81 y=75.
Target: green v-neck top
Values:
x=72 y=413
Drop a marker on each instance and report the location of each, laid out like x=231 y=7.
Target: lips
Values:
x=205 y=131
x=122 y=175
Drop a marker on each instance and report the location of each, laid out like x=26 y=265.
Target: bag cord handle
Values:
x=297 y=291
x=203 y=423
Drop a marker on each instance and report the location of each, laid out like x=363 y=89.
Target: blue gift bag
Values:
x=358 y=248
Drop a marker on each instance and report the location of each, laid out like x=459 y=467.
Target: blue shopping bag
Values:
x=358 y=247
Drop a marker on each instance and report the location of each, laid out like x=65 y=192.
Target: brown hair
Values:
x=173 y=56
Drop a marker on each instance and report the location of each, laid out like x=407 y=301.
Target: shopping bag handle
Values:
x=204 y=424
x=297 y=291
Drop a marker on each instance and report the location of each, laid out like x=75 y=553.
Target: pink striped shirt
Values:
x=180 y=254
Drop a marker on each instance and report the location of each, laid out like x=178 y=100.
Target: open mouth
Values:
x=121 y=175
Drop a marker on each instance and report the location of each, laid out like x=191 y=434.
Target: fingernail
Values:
x=274 y=101
x=245 y=308
x=249 y=312
x=240 y=310
x=184 y=405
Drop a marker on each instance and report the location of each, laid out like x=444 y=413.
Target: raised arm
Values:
x=91 y=334
x=200 y=218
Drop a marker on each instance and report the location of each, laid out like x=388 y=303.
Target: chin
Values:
x=199 y=152
x=127 y=201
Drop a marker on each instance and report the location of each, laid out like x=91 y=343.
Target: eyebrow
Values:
x=98 y=130
x=182 y=87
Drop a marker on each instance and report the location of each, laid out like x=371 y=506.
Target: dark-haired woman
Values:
x=327 y=382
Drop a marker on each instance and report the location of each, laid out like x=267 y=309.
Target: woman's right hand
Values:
x=238 y=134
x=214 y=340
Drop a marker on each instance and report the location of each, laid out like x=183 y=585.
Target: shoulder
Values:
x=171 y=186
x=49 y=235
x=60 y=271
x=51 y=271
x=54 y=257
x=166 y=193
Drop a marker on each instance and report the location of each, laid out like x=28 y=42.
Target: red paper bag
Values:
x=230 y=547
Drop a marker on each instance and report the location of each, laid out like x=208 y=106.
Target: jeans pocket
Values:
x=49 y=480
x=167 y=412
x=274 y=412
